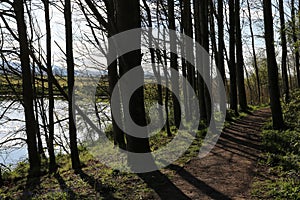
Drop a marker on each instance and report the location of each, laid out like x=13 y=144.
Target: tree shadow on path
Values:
x=200 y=185
x=161 y=184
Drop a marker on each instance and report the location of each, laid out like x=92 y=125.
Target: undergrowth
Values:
x=281 y=156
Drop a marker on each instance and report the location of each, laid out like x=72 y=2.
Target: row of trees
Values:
x=22 y=41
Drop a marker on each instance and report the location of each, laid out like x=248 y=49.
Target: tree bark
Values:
x=52 y=163
x=128 y=17
x=70 y=66
x=254 y=54
x=284 y=53
x=221 y=65
x=240 y=60
x=119 y=136
x=232 y=65
x=272 y=67
x=174 y=64
x=30 y=122
x=295 y=39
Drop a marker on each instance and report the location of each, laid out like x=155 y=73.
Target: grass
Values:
x=97 y=182
x=281 y=157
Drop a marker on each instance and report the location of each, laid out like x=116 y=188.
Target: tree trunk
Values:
x=206 y=70
x=174 y=64
x=295 y=39
x=128 y=17
x=254 y=54
x=272 y=67
x=155 y=71
x=232 y=66
x=184 y=68
x=201 y=85
x=119 y=136
x=240 y=60
x=221 y=65
x=30 y=122
x=284 y=52
x=52 y=163
x=70 y=66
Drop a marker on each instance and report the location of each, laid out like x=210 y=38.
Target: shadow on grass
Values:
x=105 y=192
x=63 y=186
x=162 y=186
x=32 y=184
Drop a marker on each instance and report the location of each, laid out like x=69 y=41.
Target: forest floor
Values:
x=230 y=168
x=226 y=173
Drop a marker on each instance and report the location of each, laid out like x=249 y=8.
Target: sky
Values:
x=88 y=55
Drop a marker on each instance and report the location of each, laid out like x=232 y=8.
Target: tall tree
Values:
x=70 y=69
x=240 y=59
x=30 y=122
x=128 y=17
x=198 y=36
x=52 y=163
x=254 y=53
x=188 y=30
x=174 y=63
x=284 y=52
x=204 y=14
x=184 y=68
x=232 y=65
x=295 y=39
x=119 y=136
x=277 y=117
x=221 y=65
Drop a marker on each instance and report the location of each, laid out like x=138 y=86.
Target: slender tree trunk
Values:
x=169 y=133
x=35 y=100
x=254 y=53
x=52 y=163
x=232 y=65
x=119 y=136
x=30 y=122
x=272 y=67
x=184 y=69
x=284 y=52
x=206 y=70
x=174 y=63
x=152 y=55
x=295 y=39
x=240 y=60
x=201 y=85
x=188 y=30
x=221 y=65
x=70 y=66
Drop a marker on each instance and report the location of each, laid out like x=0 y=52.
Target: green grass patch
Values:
x=281 y=157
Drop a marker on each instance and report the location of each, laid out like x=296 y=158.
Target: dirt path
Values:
x=227 y=172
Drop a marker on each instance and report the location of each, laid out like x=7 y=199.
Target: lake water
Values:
x=12 y=125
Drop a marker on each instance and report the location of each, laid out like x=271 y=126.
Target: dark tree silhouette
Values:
x=240 y=59
x=70 y=66
x=254 y=53
x=128 y=17
x=272 y=67
x=33 y=155
x=52 y=163
x=232 y=65
x=284 y=52
x=174 y=63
